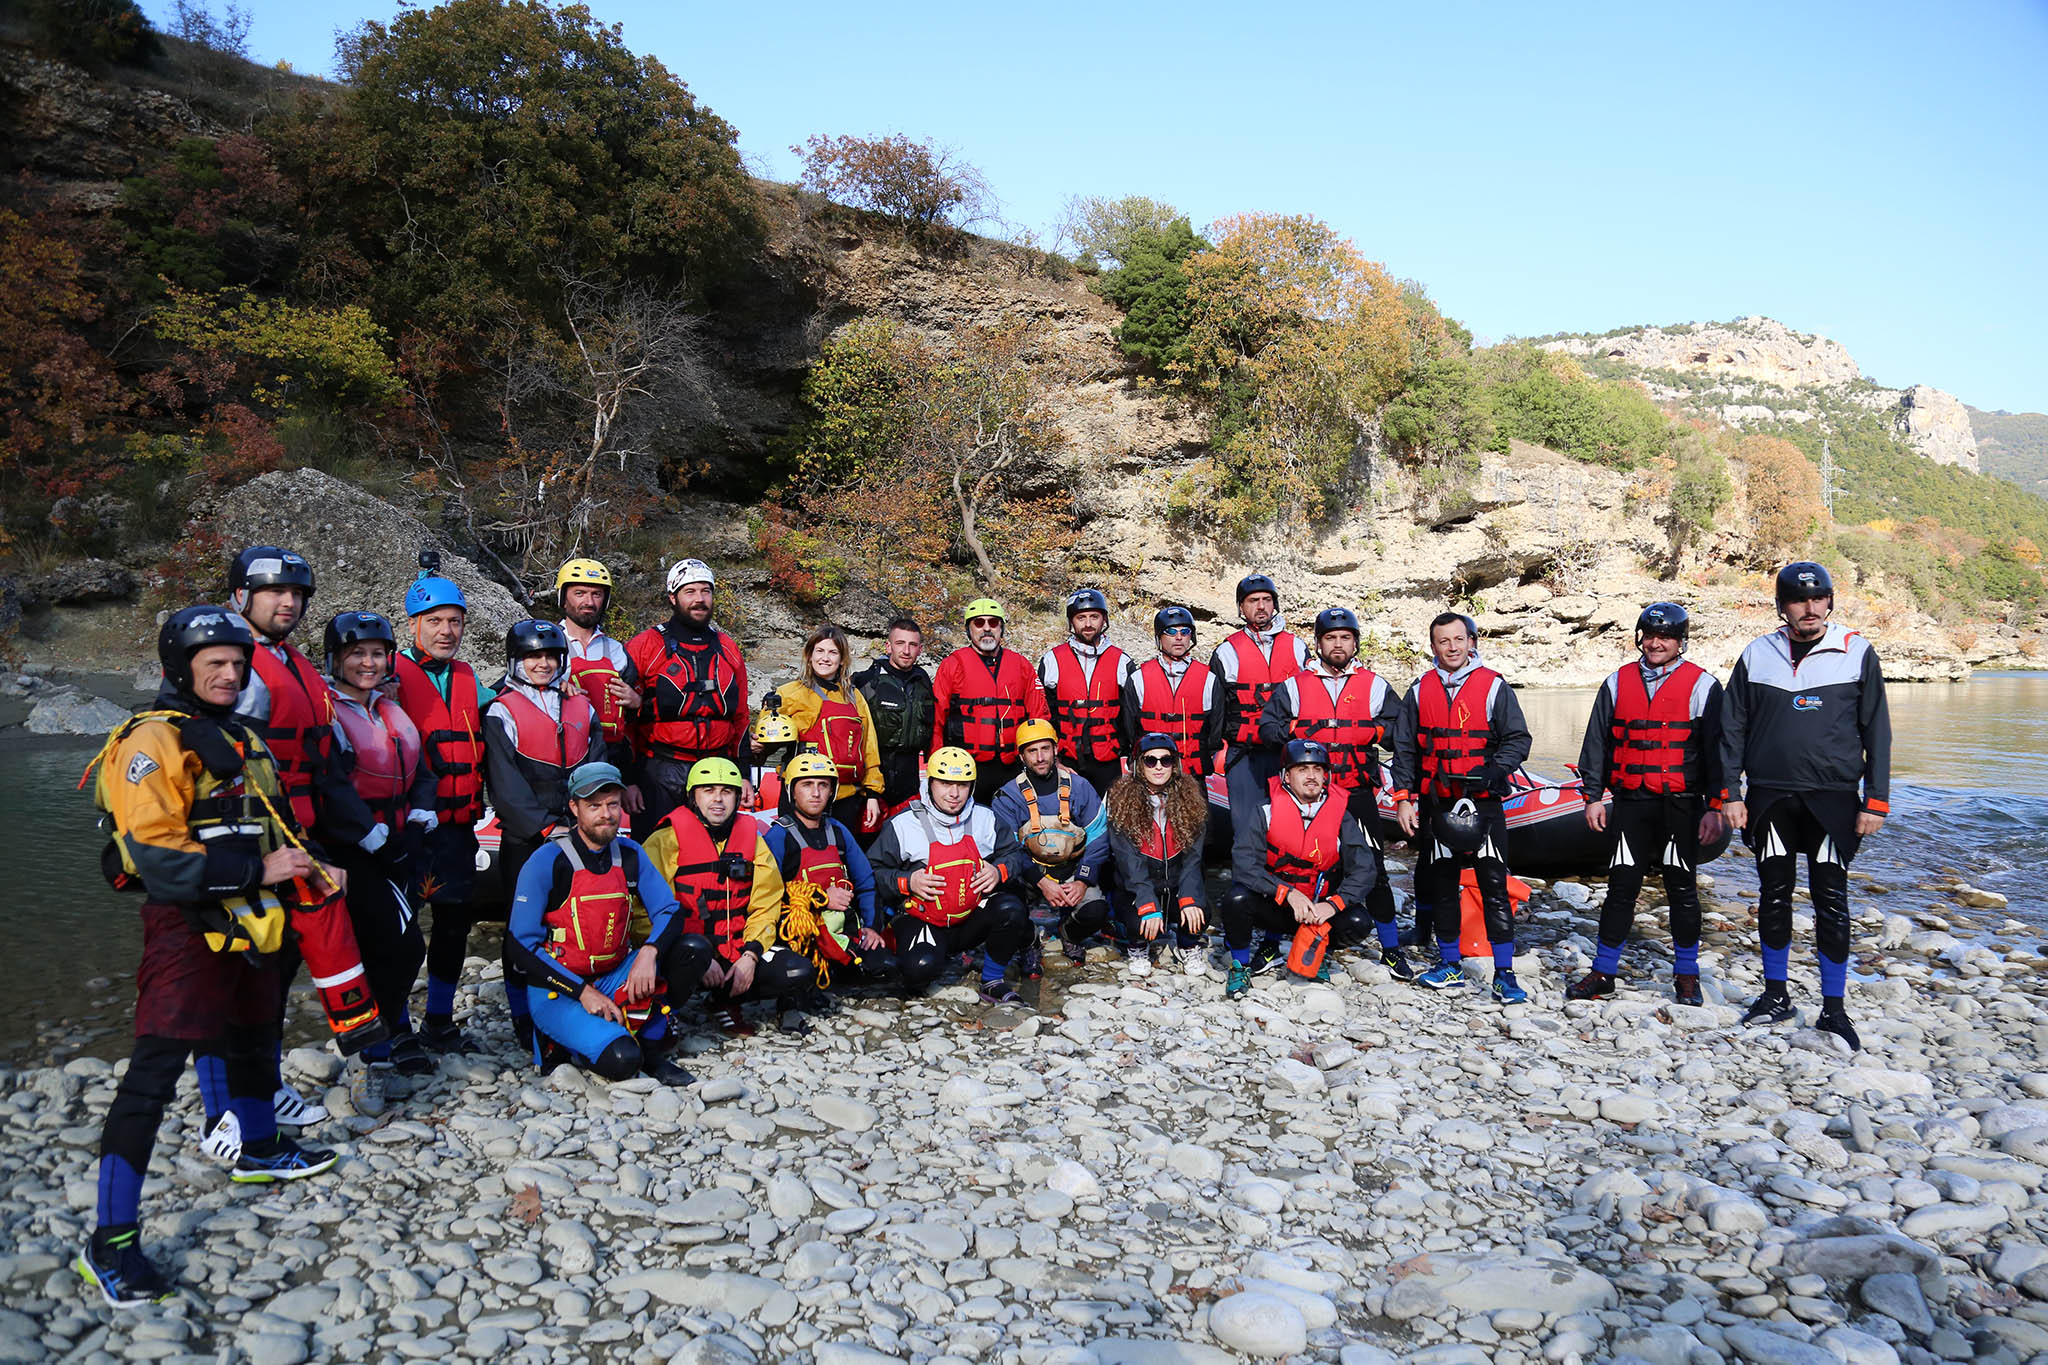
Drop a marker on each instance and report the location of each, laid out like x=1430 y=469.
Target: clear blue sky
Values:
x=1875 y=172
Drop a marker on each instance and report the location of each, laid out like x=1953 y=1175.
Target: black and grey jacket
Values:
x=1818 y=725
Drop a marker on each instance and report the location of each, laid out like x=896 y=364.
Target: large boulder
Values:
x=364 y=553
x=1480 y=1282
x=88 y=580
x=68 y=711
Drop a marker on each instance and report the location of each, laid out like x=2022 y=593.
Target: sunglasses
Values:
x=980 y=621
x=1156 y=762
x=1178 y=630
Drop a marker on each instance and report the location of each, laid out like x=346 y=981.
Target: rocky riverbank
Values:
x=1141 y=1172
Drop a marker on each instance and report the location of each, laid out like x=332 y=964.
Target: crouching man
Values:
x=592 y=995
x=953 y=870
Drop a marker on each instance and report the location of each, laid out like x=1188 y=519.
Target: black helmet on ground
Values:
x=1167 y=618
x=1802 y=581
x=1337 y=618
x=1666 y=619
x=1257 y=582
x=535 y=637
x=267 y=566
x=1300 y=751
x=1459 y=826
x=1086 y=599
x=353 y=628
x=191 y=629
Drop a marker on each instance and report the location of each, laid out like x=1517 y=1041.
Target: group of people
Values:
x=659 y=837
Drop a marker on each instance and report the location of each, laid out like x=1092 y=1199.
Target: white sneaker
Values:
x=1138 y=961
x=293 y=1108
x=365 y=1088
x=224 y=1141
x=1193 y=961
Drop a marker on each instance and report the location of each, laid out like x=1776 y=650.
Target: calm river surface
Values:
x=1970 y=797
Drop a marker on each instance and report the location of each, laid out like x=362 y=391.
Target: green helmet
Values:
x=713 y=772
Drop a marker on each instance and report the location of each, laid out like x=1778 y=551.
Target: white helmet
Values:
x=684 y=572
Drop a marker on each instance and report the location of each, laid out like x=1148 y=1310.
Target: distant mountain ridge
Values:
x=2014 y=446
x=1756 y=371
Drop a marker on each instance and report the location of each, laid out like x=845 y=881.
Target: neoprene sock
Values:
x=1241 y=956
x=1686 y=961
x=992 y=970
x=120 y=1196
x=212 y=1070
x=1776 y=963
x=1607 y=960
x=1504 y=956
x=1834 y=977
x=1448 y=952
x=257 y=1117
x=440 y=999
x=1389 y=934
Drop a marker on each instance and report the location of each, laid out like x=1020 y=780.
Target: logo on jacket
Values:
x=1806 y=703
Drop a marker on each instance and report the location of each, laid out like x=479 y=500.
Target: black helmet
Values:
x=266 y=566
x=1801 y=581
x=1167 y=618
x=1664 y=618
x=354 y=627
x=1337 y=618
x=1086 y=599
x=1257 y=582
x=1300 y=751
x=1459 y=827
x=194 y=628
x=535 y=637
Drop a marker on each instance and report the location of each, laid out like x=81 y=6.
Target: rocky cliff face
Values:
x=1762 y=371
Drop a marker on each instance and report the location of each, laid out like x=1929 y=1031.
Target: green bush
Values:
x=1546 y=399
x=93 y=33
x=1151 y=286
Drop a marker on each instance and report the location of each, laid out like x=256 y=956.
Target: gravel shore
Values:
x=1143 y=1173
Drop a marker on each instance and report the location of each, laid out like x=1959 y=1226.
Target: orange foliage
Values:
x=1783 y=490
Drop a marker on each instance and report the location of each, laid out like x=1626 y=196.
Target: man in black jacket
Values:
x=899 y=694
x=1805 y=718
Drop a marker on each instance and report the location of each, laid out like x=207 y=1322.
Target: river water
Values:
x=1969 y=796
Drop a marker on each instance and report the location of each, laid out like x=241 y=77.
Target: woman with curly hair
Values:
x=1156 y=817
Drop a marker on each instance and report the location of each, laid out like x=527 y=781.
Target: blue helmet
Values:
x=429 y=591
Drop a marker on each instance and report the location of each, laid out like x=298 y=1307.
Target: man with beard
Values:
x=1805 y=718
x=598 y=663
x=1084 y=677
x=982 y=694
x=694 y=692
x=899 y=693
x=1057 y=816
x=1172 y=695
x=1248 y=665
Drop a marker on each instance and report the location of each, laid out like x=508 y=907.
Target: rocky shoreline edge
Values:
x=1144 y=1173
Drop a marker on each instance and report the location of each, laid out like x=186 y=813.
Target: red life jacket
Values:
x=839 y=736
x=386 y=755
x=713 y=903
x=1346 y=726
x=687 y=687
x=1257 y=676
x=990 y=708
x=298 y=729
x=1650 y=733
x=545 y=741
x=1450 y=738
x=1302 y=853
x=1164 y=709
x=1160 y=843
x=824 y=867
x=595 y=677
x=954 y=864
x=450 y=734
x=587 y=930
x=1085 y=705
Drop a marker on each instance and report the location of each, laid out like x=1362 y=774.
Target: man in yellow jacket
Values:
x=202 y=828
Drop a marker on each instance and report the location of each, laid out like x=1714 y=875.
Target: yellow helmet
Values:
x=810 y=763
x=983 y=606
x=951 y=764
x=583 y=571
x=1033 y=731
x=771 y=727
x=714 y=772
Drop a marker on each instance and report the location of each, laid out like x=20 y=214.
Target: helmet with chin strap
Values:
x=191 y=629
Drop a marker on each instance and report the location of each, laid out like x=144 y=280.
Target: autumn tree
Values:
x=1297 y=342
x=929 y=187
x=481 y=146
x=1782 y=489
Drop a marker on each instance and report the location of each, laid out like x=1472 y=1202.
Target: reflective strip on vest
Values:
x=839 y=736
x=1650 y=733
x=587 y=931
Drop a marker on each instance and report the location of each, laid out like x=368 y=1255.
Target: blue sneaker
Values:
x=125 y=1279
x=1508 y=991
x=287 y=1161
x=1443 y=976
